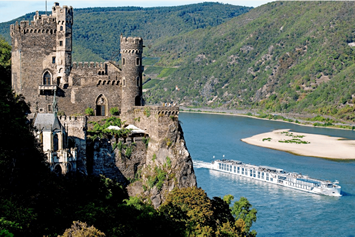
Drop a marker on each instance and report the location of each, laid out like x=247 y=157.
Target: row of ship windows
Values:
x=243 y=171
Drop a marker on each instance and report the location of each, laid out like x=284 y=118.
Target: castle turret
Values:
x=64 y=21
x=132 y=70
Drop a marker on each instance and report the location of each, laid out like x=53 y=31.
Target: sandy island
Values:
x=305 y=144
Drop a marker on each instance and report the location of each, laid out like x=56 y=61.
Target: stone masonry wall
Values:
x=76 y=130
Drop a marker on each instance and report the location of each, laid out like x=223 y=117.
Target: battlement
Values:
x=43 y=25
x=67 y=119
x=61 y=11
x=97 y=65
x=64 y=9
x=159 y=110
x=131 y=43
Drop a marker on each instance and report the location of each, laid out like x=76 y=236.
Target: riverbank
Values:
x=305 y=144
x=298 y=119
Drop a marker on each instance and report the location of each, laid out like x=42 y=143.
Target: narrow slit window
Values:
x=53 y=60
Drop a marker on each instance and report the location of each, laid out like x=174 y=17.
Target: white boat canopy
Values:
x=130 y=126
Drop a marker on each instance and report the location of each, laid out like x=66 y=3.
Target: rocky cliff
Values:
x=150 y=164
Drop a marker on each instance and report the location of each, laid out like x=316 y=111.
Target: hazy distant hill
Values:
x=283 y=56
x=97 y=30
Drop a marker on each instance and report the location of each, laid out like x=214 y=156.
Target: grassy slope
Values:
x=273 y=57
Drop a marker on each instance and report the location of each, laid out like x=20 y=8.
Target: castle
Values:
x=42 y=71
x=42 y=65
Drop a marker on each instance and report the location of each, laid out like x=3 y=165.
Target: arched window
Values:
x=138 y=62
x=101 y=106
x=46 y=78
x=123 y=61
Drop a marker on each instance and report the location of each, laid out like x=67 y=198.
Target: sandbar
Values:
x=305 y=144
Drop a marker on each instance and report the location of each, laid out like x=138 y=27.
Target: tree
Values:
x=203 y=216
x=79 y=229
x=5 y=61
x=242 y=211
x=190 y=206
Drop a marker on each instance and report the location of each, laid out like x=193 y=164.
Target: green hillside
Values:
x=96 y=31
x=283 y=56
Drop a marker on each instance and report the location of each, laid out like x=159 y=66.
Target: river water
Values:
x=281 y=211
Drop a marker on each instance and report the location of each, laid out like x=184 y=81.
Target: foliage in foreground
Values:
x=203 y=216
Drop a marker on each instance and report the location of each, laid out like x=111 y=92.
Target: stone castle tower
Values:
x=41 y=56
x=132 y=71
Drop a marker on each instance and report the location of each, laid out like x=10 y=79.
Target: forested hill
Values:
x=282 y=56
x=96 y=31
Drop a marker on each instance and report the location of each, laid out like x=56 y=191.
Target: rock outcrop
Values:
x=150 y=165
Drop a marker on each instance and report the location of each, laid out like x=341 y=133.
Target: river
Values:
x=281 y=211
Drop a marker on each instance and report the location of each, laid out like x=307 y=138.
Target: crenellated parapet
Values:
x=133 y=45
x=75 y=126
x=157 y=110
x=72 y=119
x=83 y=65
x=63 y=14
x=42 y=24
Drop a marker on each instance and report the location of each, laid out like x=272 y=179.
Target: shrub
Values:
x=146 y=141
x=168 y=161
x=146 y=111
x=61 y=113
x=114 y=111
x=89 y=111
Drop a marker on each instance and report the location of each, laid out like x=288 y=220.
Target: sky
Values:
x=10 y=10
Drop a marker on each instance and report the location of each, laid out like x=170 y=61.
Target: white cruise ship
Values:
x=278 y=176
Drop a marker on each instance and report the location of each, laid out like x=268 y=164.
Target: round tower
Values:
x=132 y=70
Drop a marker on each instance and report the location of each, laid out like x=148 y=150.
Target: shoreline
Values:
x=189 y=110
x=305 y=144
